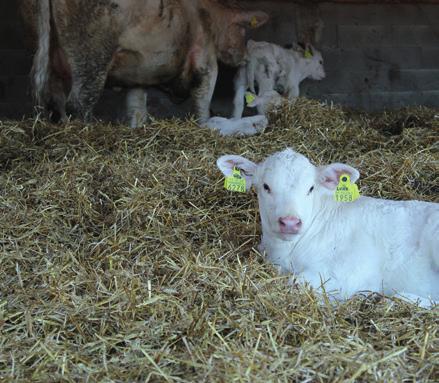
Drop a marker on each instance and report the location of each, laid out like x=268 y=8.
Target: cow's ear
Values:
x=329 y=176
x=250 y=19
x=228 y=162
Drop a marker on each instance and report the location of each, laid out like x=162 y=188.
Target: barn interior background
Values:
x=378 y=54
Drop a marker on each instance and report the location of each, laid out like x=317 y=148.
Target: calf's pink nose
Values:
x=289 y=225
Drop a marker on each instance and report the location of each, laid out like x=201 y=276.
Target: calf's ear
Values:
x=250 y=19
x=228 y=162
x=329 y=176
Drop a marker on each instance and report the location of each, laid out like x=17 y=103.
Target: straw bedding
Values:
x=124 y=259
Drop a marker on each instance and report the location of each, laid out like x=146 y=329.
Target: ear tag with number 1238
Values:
x=235 y=182
x=346 y=192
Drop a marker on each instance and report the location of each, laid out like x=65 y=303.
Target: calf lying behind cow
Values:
x=367 y=245
x=275 y=70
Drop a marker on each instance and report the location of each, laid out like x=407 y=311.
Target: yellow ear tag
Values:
x=307 y=54
x=346 y=192
x=235 y=182
x=254 y=22
x=249 y=97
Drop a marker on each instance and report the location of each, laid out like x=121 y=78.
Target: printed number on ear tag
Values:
x=254 y=22
x=249 y=97
x=346 y=192
x=307 y=54
x=235 y=182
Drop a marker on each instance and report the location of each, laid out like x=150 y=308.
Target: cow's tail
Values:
x=41 y=63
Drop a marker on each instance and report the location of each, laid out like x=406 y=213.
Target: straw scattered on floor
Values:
x=122 y=258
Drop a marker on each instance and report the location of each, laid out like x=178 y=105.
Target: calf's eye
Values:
x=311 y=189
x=267 y=188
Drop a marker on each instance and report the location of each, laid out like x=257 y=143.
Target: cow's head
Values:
x=290 y=189
x=230 y=32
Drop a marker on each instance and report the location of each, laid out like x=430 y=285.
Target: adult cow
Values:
x=82 y=44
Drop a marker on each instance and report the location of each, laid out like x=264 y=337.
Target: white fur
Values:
x=272 y=67
x=371 y=244
x=247 y=126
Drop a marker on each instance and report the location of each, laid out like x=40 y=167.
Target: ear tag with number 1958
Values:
x=235 y=182
x=346 y=192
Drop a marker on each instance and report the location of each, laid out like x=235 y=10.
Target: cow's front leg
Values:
x=136 y=107
x=203 y=91
x=240 y=84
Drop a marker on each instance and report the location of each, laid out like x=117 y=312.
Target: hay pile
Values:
x=124 y=259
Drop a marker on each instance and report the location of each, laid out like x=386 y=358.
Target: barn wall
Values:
x=376 y=56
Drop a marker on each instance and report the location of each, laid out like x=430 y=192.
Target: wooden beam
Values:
x=354 y=1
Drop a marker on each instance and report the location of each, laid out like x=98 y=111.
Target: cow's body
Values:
x=275 y=70
x=134 y=44
x=369 y=244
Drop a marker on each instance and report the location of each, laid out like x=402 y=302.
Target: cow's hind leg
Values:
x=88 y=80
x=89 y=39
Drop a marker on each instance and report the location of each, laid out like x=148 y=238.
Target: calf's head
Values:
x=290 y=189
x=313 y=61
x=229 y=26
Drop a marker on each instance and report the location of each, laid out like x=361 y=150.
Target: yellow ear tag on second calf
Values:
x=307 y=54
x=249 y=97
x=235 y=182
x=254 y=22
x=346 y=191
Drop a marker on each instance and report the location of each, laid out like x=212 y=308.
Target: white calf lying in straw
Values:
x=247 y=126
x=272 y=67
x=366 y=245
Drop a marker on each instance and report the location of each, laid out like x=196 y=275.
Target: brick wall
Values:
x=376 y=56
